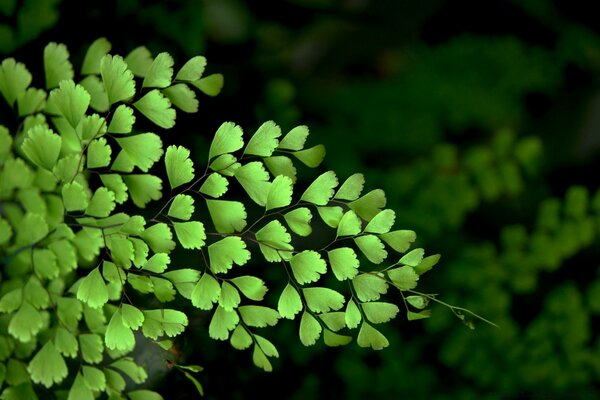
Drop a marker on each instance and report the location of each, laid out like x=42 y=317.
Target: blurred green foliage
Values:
x=480 y=121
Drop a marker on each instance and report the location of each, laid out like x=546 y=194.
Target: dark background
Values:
x=480 y=120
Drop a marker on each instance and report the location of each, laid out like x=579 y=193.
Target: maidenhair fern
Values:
x=72 y=257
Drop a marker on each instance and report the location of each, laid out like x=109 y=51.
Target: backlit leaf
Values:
x=121 y=250
x=163 y=289
x=274 y=241
x=91 y=62
x=227 y=216
x=47 y=366
x=184 y=280
x=399 y=240
x=322 y=299
x=182 y=207
x=117 y=79
x=143 y=188
x=419 y=302
x=222 y=322
x=307 y=266
x=405 y=278
x=74 y=197
x=157 y=263
x=215 y=185
x=310 y=329
x=206 y=292
x=101 y=204
x=190 y=234
x=160 y=72
x=333 y=339
x=369 y=287
x=414 y=316
x=80 y=390
x=281 y=165
x=299 y=221
x=180 y=169
x=163 y=322
x=264 y=141
x=280 y=193
x=92 y=289
x=372 y=248
x=252 y=287
x=65 y=342
x=427 y=263
x=115 y=183
x=321 y=190
x=98 y=154
x=26 y=323
x=311 y=157
x=182 y=97
x=139 y=60
x=289 y=303
x=351 y=188
x=131 y=316
x=157 y=108
x=143 y=150
x=94 y=378
x=97 y=92
x=228 y=139
x=31 y=101
x=255 y=180
x=92 y=347
x=344 y=263
x=369 y=205
x=14 y=79
x=240 y=339
x=210 y=85
x=371 y=337
x=229 y=298
x=258 y=316
x=331 y=215
x=294 y=139
x=192 y=70
x=57 y=66
x=352 y=315
x=225 y=252
x=122 y=120
x=71 y=101
x=11 y=301
x=412 y=258
x=225 y=164
x=382 y=222
x=349 y=225
x=42 y=146
x=380 y=312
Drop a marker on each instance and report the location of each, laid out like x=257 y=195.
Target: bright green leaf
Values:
x=42 y=146
x=321 y=190
x=157 y=108
x=143 y=188
x=14 y=79
x=310 y=329
x=157 y=263
x=92 y=347
x=228 y=138
x=163 y=322
x=352 y=315
x=351 y=188
x=190 y=234
x=258 y=316
x=372 y=248
x=210 y=85
x=227 y=216
x=289 y=303
x=115 y=183
x=295 y=139
x=160 y=72
x=31 y=101
x=182 y=207
x=101 y=204
x=412 y=258
x=66 y=343
x=98 y=154
x=399 y=240
x=47 y=366
x=369 y=287
x=131 y=316
x=380 y=312
x=371 y=337
x=80 y=390
x=344 y=263
x=333 y=339
x=206 y=292
x=225 y=164
x=91 y=62
x=92 y=289
x=70 y=101
x=255 y=180
x=215 y=185
x=405 y=278
x=252 y=287
x=94 y=378
x=322 y=299
x=143 y=150
x=97 y=92
x=117 y=79
x=182 y=97
x=264 y=141
x=139 y=60
x=229 y=298
x=281 y=165
x=225 y=252
x=308 y=266
x=311 y=157
x=369 y=205
x=280 y=193
x=57 y=66
x=26 y=323
x=427 y=263
x=382 y=222
x=419 y=302
x=349 y=225
x=222 y=322
x=180 y=169
x=240 y=339
x=331 y=215
x=299 y=221
x=122 y=120
x=192 y=70
x=274 y=241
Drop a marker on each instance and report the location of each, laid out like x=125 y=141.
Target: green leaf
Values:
x=369 y=287
x=333 y=339
x=240 y=339
x=44 y=264
x=382 y=222
x=227 y=216
x=66 y=343
x=310 y=329
x=190 y=234
x=349 y=225
x=117 y=79
x=14 y=79
x=311 y=157
x=143 y=188
x=380 y=312
x=180 y=169
x=258 y=316
x=94 y=378
x=98 y=154
x=182 y=207
x=294 y=139
x=163 y=322
x=157 y=263
x=412 y=258
x=80 y=390
x=184 y=280
x=289 y=303
x=228 y=138
x=274 y=241
x=227 y=251
x=260 y=359
x=69 y=311
x=115 y=183
x=11 y=301
x=264 y=141
x=280 y=193
x=163 y=289
x=6 y=231
x=160 y=72
x=399 y=240
x=101 y=204
x=322 y=299
x=26 y=323
x=92 y=347
x=427 y=263
x=91 y=127
x=222 y=322
x=131 y=316
x=97 y=92
x=210 y=85
x=122 y=120
x=192 y=70
x=157 y=108
x=35 y=294
x=419 y=302
x=352 y=316
x=92 y=289
x=372 y=248
x=334 y=321
x=413 y=316
x=91 y=62
x=114 y=380
x=405 y=278
x=308 y=266
x=344 y=263
x=143 y=150
x=47 y=366
x=70 y=101
x=215 y=185
x=371 y=337
x=139 y=60
x=182 y=97
x=141 y=283
x=121 y=250
x=225 y=164
x=65 y=255
x=281 y=165
x=351 y=188
x=31 y=101
x=369 y=205
x=74 y=197
x=33 y=227
x=321 y=190
x=42 y=146
x=57 y=66
x=229 y=298
x=252 y=287
x=206 y=292
x=299 y=221
x=128 y=366
x=255 y=180
x=331 y=215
